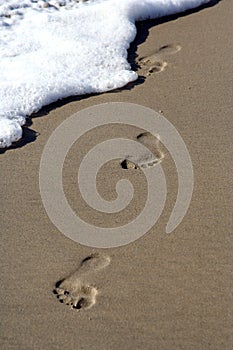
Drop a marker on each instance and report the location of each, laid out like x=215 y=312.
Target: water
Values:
x=54 y=49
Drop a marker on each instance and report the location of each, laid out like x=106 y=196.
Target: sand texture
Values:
x=163 y=292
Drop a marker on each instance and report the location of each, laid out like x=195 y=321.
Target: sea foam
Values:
x=54 y=49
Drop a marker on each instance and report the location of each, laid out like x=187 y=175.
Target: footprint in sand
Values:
x=155 y=63
x=147 y=160
x=168 y=50
x=75 y=289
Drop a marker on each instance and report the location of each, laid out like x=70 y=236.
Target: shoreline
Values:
x=31 y=91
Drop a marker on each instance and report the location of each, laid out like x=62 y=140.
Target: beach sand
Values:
x=162 y=291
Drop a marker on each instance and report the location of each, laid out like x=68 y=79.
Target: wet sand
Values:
x=161 y=291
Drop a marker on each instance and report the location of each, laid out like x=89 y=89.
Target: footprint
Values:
x=168 y=49
x=147 y=160
x=155 y=63
x=156 y=67
x=152 y=65
x=74 y=290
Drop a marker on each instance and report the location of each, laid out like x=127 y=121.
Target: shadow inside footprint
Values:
x=127 y=164
x=169 y=49
x=57 y=284
x=79 y=304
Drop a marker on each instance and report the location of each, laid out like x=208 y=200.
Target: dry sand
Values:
x=162 y=291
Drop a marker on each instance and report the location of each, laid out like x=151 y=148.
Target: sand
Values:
x=161 y=291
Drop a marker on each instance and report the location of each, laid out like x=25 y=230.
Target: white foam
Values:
x=53 y=49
